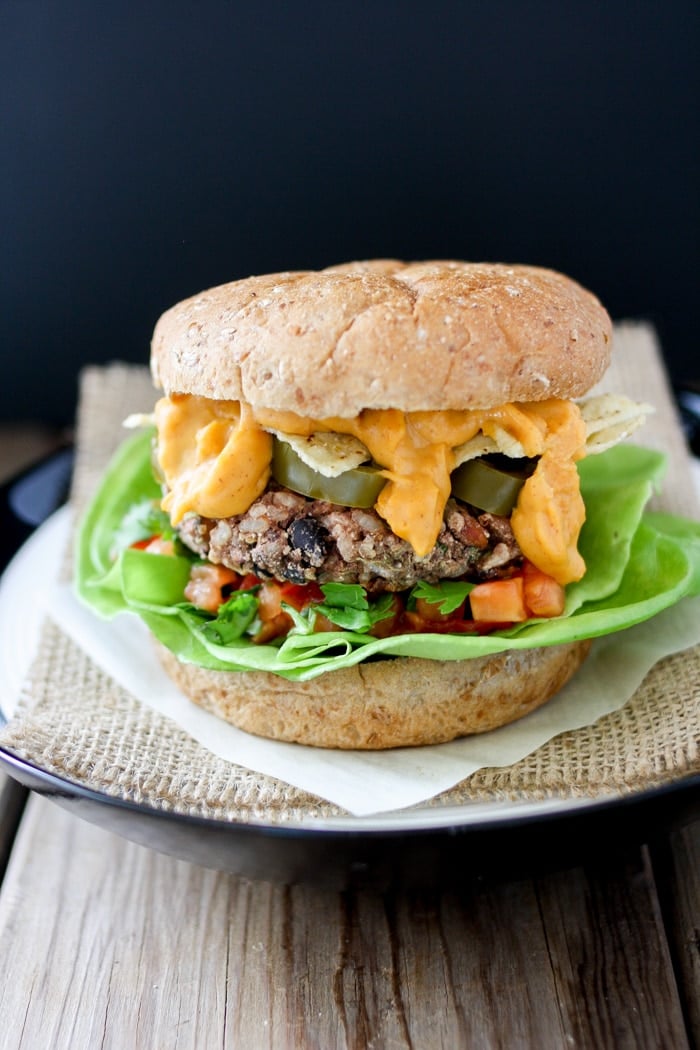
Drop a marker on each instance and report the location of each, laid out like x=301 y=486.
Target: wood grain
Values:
x=677 y=869
x=609 y=950
x=107 y=944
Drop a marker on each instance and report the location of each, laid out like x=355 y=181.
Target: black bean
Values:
x=309 y=536
x=294 y=573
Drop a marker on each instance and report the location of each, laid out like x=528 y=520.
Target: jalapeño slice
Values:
x=492 y=483
x=358 y=487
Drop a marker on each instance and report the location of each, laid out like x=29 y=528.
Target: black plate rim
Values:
x=51 y=784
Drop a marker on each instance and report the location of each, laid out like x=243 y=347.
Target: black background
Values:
x=149 y=150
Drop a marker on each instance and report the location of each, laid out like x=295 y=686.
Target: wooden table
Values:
x=104 y=943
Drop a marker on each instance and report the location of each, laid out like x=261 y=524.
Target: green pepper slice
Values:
x=491 y=483
x=358 y=487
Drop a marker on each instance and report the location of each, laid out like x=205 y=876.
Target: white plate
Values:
x=23 y=591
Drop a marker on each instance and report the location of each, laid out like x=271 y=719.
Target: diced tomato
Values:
x=543 y=595
x=275 y=627
x=500 y=601
x=160 y=546
x=269 y=601
x=270 y=598
x=275 y=621
x=142 y=545
x=431 y=611
x=249 y=581
x=299 y=595
x=154 y=545
x=322 y=624
x=206 y=585
x=412 y=622
x=390 y=624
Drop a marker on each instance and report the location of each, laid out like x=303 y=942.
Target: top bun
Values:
x=386 y=334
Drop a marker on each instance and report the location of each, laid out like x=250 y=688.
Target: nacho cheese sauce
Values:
x=215 y=458
x=213 y=455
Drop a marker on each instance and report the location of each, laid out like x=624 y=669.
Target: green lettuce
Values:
x=347 y=606
x=638 y=563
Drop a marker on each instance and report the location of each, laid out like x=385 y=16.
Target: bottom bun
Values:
x=396 y=702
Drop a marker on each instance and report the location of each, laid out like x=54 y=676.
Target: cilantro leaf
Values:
x=448 y=595
x=345 y=595
x=141 y=521
x=303 y=622
x=348 y=606
x=233 y=618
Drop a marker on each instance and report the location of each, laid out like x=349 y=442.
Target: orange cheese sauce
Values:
x=215 y=457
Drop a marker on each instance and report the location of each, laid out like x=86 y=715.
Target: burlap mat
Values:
x=76 y=722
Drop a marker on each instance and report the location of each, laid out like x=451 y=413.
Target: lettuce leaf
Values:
x=348 y=606
x=638 y=563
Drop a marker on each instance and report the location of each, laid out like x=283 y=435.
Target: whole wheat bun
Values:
x=386 y=334
x=401 y=702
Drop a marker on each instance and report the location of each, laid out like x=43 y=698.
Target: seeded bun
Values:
x=402 y=702
x=386 y=334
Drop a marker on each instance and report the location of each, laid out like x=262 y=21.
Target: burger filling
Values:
x=389 y=522
x=285 y=535
x=216 y=460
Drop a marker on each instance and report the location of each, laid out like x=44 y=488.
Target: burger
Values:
x=365 y=511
